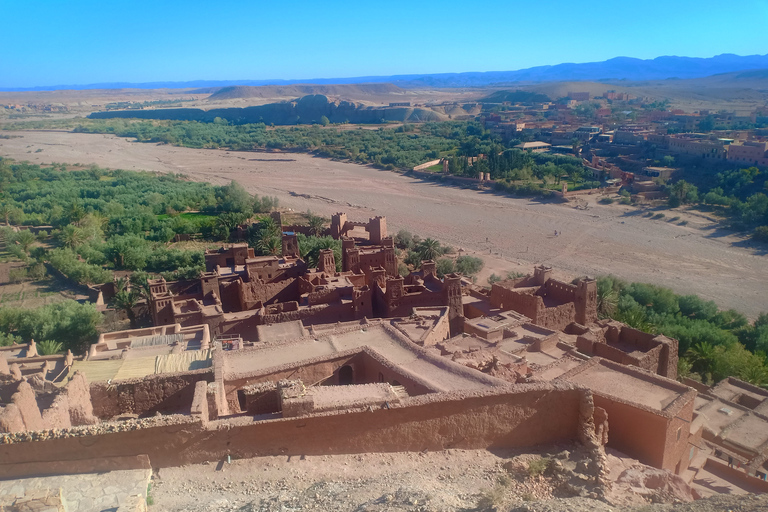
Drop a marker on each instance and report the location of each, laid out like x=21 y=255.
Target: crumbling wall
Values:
x=24 y=399
x=525 y=416
x=10 y=419
x=57 y=414
x=278 y=291
x=147 y=396
x=556 y=318
x=79 y=401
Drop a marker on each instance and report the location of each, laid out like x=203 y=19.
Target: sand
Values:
x=696 y=258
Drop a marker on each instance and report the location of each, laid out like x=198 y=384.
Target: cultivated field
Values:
x=511 y=234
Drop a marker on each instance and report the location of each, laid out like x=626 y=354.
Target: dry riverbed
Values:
x=510 y=234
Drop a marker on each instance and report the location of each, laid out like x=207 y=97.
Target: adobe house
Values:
x=545 y=301
x=620 y=343
x=649 y=416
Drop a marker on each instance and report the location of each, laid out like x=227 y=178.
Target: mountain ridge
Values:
x=614 y=69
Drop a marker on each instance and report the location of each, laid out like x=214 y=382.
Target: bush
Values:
x=538 y=466
x=66 y=262
x=760 y=234
x=49 y=347
x=469 y=265
x=444 y=266
x=605 y=200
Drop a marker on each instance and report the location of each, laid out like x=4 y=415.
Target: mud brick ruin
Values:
x=265 y=356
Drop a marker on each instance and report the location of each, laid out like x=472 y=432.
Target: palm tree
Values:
x=316 y=224
x=607 y=298
x=268 y=228
x=702 y=356
x=270 y=245
x=49 y=347
x=25 y=239
x=429 y=249
x=5 y=211
x=72 y=236
x=127 y=300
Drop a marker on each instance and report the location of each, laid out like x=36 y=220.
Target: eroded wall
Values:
x=526 y=416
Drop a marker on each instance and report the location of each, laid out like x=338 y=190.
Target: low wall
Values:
x=525 y=415
x=426 y=165
x=737 y=476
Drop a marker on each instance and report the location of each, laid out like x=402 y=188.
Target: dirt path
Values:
x=695 y=258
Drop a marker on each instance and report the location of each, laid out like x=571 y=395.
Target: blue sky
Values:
x=53 y=42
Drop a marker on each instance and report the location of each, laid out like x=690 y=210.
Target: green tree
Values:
x=72 y=236
x=316 y=224
x=127 y=300
x=25 y=239
x=429 y=249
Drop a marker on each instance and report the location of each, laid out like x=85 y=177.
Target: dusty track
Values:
x=601 y=240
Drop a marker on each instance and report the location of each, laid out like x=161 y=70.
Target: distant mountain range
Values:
x=616 y=69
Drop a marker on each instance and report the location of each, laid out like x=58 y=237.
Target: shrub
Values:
x=605 y=200
x=538 y=466
x=760 y=234
x=49 y=347
x=469 y=265
x=444 y=266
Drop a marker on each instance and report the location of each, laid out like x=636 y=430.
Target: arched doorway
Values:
x=346 y=375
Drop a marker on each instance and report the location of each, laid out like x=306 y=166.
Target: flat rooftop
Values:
x=608 y=381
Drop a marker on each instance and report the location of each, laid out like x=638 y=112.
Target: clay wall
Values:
x=10 y=419
x=743 y=480
x=642 y=340
x=310 y=373
x=559 y=291
x=199 y=407
x=523 y=301
x=281 y=291
x=24 y=399
x=229 y=294
x=613 y=354
x=166 y=394
x=557 y=317
x=245 y=327
x=371 y=368
x=639 y=433
x=524 y=416
x=79 y=400
x=405 y=304
x=676 y=447
x=327 y=295
x=318 y=314
x=57 y=414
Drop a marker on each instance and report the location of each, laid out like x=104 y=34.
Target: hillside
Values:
x=298 y=90
x=306 y=110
